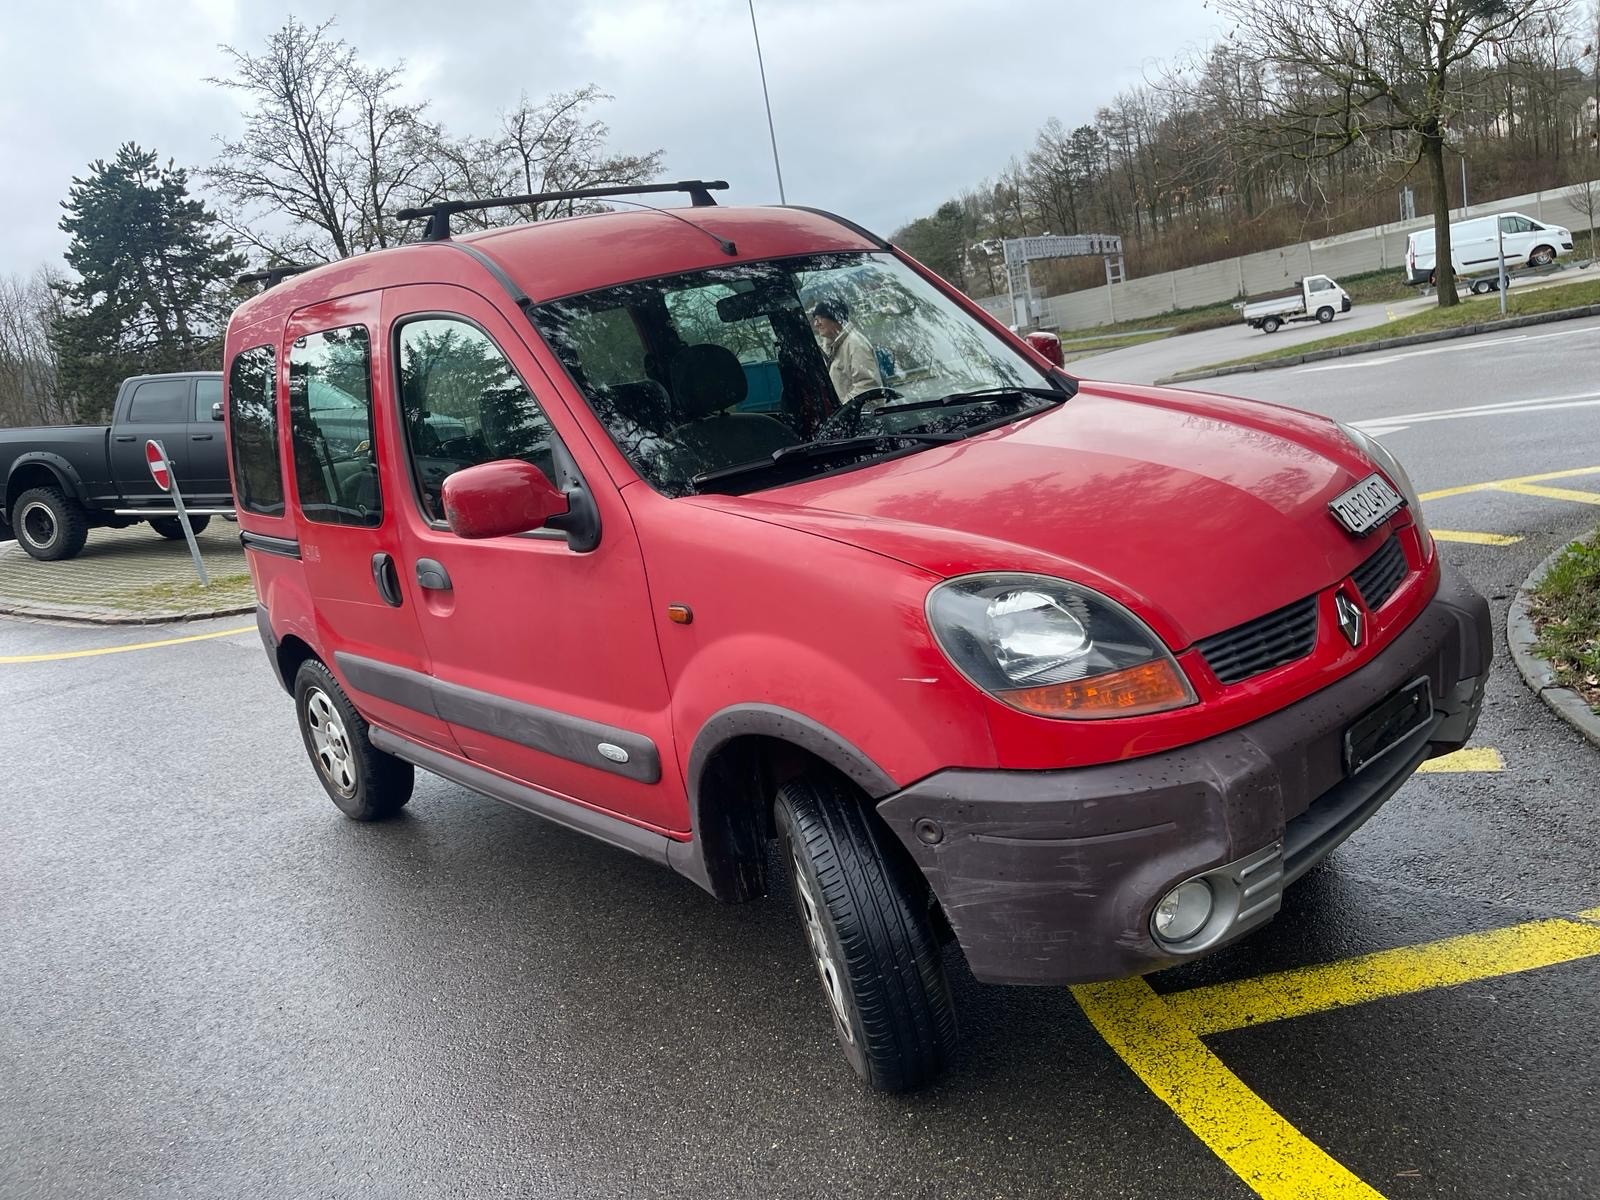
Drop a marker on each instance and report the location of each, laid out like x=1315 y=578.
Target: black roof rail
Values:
x=272 y=276
x=438 y=228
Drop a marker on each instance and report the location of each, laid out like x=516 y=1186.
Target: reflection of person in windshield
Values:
x=852 y=365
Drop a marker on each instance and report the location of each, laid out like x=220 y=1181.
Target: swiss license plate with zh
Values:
x=1369 y=504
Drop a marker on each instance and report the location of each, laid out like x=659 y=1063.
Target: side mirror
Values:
x=216 y=411
x=497 y=499
x=1048 y=346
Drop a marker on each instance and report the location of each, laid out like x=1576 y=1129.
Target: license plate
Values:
x=1387 y=724
x=1367 y=505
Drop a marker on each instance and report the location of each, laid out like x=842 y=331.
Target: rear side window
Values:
x=160 y=401
x=253 y=429
x=462 y=404
x=331 y=429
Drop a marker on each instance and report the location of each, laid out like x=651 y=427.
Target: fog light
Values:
x=1183 y=911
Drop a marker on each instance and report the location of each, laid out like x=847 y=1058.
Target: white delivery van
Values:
x=1475 y=245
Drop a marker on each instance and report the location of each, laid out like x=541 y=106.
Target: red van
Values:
x=712 y=531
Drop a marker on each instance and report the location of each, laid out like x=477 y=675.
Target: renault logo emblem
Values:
x=1349 y=618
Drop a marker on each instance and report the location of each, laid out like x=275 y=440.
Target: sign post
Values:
x=1502 y=282
x=156 y=455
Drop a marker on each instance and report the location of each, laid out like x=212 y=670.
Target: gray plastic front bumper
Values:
x=1051 y=876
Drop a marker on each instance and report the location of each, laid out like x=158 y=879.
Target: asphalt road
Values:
x=212 y=984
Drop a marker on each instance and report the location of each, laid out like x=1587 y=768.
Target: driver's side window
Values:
x=462 y=403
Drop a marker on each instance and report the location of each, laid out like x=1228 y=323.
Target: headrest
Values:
x=706 y=379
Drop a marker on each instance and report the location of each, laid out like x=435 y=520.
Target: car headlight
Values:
x=1053 y=648
x=1386 y=462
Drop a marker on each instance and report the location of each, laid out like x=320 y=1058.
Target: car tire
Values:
x=1270 y=325
x=172 y=529
x=1480 y=287
x=867 y=926
x=49 y=524
x=1542 y=256
x=365 y=783
x=1324 y=315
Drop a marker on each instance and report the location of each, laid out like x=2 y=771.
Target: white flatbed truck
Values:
x=1315 y=298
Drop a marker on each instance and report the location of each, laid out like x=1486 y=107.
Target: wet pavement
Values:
x=215 y=985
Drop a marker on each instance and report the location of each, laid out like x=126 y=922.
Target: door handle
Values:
x=125 y=437
x=201 y=437
x=387 y=579
x=432 y=575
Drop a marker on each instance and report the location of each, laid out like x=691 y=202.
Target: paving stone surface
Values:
x=130 y=574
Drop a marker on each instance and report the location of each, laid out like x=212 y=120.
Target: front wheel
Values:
x=1542 y=256
x=866 y=924
x=172 y=529
x=363 y=781
x=1324 y=315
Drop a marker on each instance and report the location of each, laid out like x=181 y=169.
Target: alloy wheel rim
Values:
x=39 y=523
x=827 y=969
x=330 y=744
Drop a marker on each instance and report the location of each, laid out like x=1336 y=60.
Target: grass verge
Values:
x=1566 y=613
x=224 y=590
x=1471 y=311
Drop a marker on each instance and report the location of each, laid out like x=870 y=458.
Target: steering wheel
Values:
x=845 y=421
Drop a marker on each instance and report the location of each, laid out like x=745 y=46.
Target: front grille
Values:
x=1279 y=637
x=1380 y=575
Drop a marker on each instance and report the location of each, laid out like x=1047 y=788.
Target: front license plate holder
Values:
x=1386 y=724
x=1370 y=503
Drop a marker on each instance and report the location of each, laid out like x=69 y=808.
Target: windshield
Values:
x=695 y=374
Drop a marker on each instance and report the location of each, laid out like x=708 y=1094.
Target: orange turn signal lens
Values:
x=1150 y=687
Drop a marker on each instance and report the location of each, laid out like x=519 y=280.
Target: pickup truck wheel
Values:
x=172 y=529
x=49 y=524
x=363 y=781
x=1324 y=315
x=868 y=932
x=1270 y=325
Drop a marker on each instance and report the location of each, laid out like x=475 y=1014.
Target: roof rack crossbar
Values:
x=438 y=228
x=272 y=276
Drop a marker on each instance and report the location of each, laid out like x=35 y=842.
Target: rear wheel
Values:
x=1324 y=315
x=867 y=929
x=1270 y=325
x=172 y=528
x=363 y=781
x=1480 y=287
x=1542 y=256
x=49 y=524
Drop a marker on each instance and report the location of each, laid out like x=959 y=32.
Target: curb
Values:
x=1396 y=343
x=1535 y=671
x=82 y=618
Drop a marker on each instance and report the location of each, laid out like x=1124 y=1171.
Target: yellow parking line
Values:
x=1270 y=1155
x=1473 y=758
x=1474 y=539
x=1464 y=489
x=198 y=637
x=1549 y=493
x=1458 y=960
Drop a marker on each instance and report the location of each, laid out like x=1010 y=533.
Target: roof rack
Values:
x=438 y=228
x=269 y=277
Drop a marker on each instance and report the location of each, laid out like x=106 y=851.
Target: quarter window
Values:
x=462 y=403
x=253 y=431
x=160 y=401
x=331 y=429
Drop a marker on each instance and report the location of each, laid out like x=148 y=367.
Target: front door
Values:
x=208 y=456
x=545 y=658
x=366 y=605
x=158 y=409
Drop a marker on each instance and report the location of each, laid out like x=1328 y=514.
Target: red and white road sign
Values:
x=156 y=456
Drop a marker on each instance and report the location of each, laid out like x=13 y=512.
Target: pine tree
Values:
x=152 y=287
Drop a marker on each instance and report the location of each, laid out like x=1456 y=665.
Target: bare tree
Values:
x=1348 y=73
x=29 y=309
x=328 y=147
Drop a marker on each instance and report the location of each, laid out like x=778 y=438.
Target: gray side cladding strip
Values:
x=564 y=736
x=267 y=544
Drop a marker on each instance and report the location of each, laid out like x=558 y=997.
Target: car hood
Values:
x=1199 y=512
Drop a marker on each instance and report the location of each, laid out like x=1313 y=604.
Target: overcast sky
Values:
x=883 y=108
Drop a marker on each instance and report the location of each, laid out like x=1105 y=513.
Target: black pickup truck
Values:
x=61 y=481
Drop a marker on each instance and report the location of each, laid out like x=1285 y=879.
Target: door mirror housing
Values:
x=216 y=411
x=501 y=498
x=1047 y=345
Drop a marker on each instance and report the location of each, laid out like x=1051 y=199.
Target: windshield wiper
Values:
x=849 y=447
x=1006 y=392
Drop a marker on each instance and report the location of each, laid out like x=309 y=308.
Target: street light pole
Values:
x=1463 y=182
x=771 y=133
